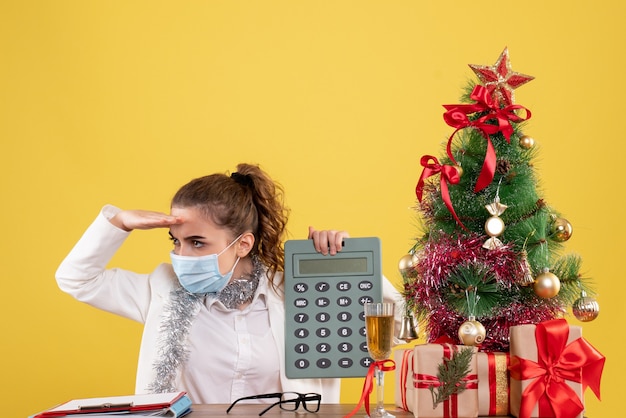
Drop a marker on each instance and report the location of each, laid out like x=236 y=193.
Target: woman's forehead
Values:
x=195 y=220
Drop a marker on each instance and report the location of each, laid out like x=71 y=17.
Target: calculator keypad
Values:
x=315 y=335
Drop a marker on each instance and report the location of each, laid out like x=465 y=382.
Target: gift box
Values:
x=551 y=365
x=493 y=383
x=404 y=379
x=426 y=361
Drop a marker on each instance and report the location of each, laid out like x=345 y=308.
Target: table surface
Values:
x=252 y=410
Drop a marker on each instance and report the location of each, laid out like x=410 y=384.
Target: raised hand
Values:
x=144 y=219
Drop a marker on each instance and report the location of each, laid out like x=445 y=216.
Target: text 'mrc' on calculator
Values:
x=324 y=298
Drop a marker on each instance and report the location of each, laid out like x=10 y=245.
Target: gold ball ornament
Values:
x=526 y=142
x=407 y=262
x=547 y=285
x=472 y=332
x=561 y=230
x=585 y=308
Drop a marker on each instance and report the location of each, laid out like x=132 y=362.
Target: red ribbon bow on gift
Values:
x=557 y=362
x=457 y=117
x=383 y=365
x=449 y=174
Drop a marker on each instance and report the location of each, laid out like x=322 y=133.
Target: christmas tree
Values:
x=491 y=253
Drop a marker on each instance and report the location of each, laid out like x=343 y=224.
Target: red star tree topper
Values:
x=499 y=79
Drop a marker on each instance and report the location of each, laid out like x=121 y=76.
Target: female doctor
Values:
x=213 y=318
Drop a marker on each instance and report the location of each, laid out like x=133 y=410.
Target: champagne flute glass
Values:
x=379 y=328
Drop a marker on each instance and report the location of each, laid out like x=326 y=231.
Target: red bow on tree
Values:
x=449 y=174
x=557 y=362
x=457 y=116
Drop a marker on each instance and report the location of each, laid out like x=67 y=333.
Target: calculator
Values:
x=324 y=298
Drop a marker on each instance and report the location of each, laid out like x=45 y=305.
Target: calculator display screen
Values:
x=333 y=265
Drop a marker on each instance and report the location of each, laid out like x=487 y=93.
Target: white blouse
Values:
x=232 y=352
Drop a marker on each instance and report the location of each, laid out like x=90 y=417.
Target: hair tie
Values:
x=243 y=179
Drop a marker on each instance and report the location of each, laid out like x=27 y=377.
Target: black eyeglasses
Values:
x=289 y=401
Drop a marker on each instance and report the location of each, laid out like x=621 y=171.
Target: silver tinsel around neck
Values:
x=240 y=291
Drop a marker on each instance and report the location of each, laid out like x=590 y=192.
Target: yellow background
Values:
x=123 y=101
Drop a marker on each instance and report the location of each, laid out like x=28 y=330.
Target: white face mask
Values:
x=201 y=275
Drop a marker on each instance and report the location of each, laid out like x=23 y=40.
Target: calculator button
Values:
x=302 y=363
x=301 y=333
x=366 y=361
x=343 y=286
x=322 y=286
x=344 y=316
x=362 y=331
x=345 y=362
x=301 y=318
x=322 y=302
x=344 y=301
x=323 y=363
x=364 y=299
x=301 y=348
x=301 y=303
x=323 y=348
x=363 y=346
x=322 y=332
x=345 y=347
x=300 y=287
x=344 y=331
x=365 y=285
x=322 y=317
